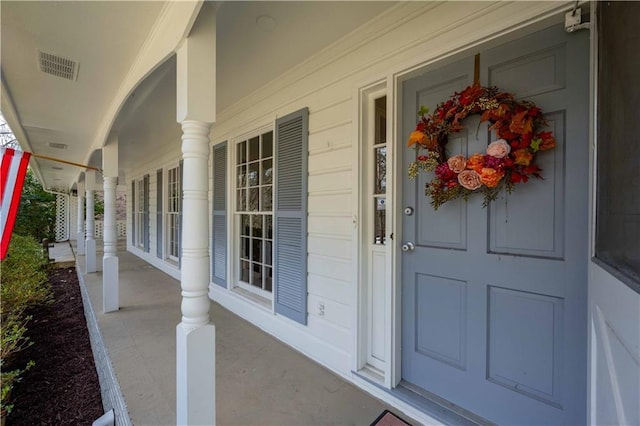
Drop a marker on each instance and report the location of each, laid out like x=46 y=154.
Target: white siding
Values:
x=167 y=156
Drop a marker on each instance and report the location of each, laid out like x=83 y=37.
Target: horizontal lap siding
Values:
x=340 y=225
x=330 y=246
x=330 y=194
x=339 y=201
x=339 y=180
x=167 y=155
x=323 y=139
x=338 y=159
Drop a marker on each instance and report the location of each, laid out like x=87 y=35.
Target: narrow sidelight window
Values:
x=379 y=170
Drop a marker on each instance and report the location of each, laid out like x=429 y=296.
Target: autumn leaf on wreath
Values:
x=470 y=94
x=521 y=123
x=548 y=141
x=535 y=144
x=417 y=137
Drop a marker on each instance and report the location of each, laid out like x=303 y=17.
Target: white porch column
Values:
x=90 y=242
x=195 y=345
x=80 y=235
x=110 y=261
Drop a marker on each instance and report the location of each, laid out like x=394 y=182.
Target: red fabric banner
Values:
x=12 y=172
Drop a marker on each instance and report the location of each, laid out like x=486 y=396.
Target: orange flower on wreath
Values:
x=476 y=162
x=490 y=177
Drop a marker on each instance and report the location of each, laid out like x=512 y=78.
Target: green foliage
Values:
x=98 y=205
x=24 y=284
x=9 y=379
x=12 y=340
x=37 y=212
x=13 y=337
x=24 y=278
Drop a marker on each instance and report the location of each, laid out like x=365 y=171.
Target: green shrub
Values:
x=12 y=340
x=24 y=277
x=37 y=211
x=23 y=283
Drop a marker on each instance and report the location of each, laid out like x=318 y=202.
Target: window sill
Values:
x=254 y=298
x=173 y=263
x=626 y=279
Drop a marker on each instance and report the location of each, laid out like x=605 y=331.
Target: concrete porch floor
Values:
x=259 y=380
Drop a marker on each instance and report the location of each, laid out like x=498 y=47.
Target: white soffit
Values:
x=62 y=64
x=258 y=41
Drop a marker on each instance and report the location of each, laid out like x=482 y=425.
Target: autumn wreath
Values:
x=509 y=160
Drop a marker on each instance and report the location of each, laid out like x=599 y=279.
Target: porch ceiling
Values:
x=103 y=37
x=257 y=41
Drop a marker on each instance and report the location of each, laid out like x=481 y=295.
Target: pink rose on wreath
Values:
x=470 y=179
x=457 y=163
x=499 y=148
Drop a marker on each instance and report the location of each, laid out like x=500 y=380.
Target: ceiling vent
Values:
x=58 y=145
x=57 y=65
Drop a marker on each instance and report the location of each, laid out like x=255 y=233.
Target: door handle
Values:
x=408 y=246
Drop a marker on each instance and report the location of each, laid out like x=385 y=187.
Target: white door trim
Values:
x=379 y=370
x=614 y=307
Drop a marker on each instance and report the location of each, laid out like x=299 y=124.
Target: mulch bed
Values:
x=62 y=388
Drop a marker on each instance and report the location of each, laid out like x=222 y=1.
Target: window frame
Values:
x=139 y=213
x=170 y=216
x=377 y=140
x=606 y=208
x=236 y=214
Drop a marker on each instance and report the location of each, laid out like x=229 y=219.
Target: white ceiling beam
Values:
x=196 y=71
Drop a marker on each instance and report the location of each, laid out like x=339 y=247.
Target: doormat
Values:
x=387 y=418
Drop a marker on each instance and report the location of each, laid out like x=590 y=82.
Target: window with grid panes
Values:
x=139 y=205
x=254 y=212
x=173 y=214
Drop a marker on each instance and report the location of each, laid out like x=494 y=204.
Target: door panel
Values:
x=446 y=227
x=494 y=299
x=441 y=299
x=525 y=355
x=508 y=217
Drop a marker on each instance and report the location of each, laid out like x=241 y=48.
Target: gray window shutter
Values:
x=159 y=213
x=181 y=170
x=133 y=212
x=219 y=225
x=145 y=214
x=290 y=214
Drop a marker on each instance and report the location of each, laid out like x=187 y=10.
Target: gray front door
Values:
x=494 y=306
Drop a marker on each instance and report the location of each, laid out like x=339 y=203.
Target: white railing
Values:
x=121 y=229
